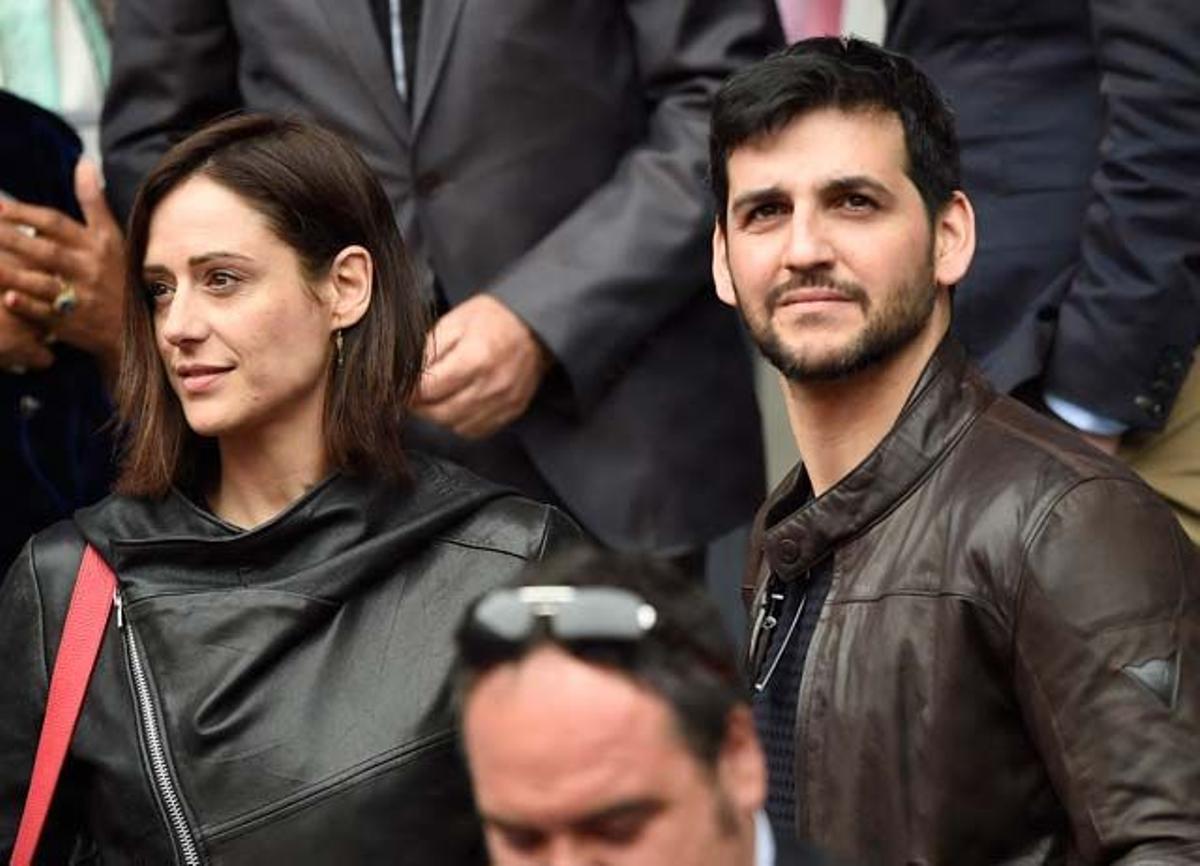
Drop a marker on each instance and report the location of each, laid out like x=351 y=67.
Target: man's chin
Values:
x=822 y=363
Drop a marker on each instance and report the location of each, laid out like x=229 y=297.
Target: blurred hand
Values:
x=21 y=346
x=88 y=257
x=482 y=367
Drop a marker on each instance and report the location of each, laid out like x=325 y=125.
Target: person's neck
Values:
x=262 y=474
x=836 y=424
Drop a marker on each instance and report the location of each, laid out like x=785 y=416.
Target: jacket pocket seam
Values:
x=328 y=787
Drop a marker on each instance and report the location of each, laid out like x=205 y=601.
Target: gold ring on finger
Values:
x=66 y=300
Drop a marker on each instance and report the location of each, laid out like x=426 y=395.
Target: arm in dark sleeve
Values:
x=1107 y=671
x=636 y=250
x=174 y=69
x=1131 y=317
x=24 y=683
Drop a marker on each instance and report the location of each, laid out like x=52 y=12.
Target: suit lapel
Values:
x=438 y=20
x=353 y=31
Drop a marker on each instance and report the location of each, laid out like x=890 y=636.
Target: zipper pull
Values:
x=120 y=606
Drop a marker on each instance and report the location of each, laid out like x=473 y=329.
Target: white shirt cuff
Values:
x=1083 y=419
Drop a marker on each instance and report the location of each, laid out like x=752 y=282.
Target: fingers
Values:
x=51 y=225
x=466 y=416
x=90 y=193
x=38 y=252
x=443 y=338
x=443 y=380
x=35 y=283
x=32 y=310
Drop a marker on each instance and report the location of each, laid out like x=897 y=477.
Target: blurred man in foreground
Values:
x=605 y=722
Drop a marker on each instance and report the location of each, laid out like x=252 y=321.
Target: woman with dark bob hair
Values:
x=272 y=686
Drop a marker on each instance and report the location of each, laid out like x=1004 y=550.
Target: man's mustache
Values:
x=818 y=280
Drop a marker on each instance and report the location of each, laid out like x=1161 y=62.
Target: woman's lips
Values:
x=198 y=379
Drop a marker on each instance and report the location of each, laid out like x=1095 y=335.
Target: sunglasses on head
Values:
x=568 y=613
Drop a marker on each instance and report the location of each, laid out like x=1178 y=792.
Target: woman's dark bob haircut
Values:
x=318 y=196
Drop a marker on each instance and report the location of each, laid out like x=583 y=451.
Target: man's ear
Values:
x=350 y=279
x=720 y=267
x=953 y=240
x=741 y=768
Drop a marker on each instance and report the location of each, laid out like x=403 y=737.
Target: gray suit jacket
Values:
x=1080 y=127
x=554 y=156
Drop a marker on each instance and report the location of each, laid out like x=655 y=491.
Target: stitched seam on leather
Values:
x=541 y=548
x=1037 y=526
x=1056 y=730
x=41 y=615
x=330 y=786
x=225 y=591
x=442 y=539
x=973 y=600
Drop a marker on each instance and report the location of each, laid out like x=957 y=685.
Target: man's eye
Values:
x=857 y=201
x=764 y=212
x=521 y=839
x=620 y=831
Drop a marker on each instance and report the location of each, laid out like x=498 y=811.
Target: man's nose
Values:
x=809 y=245
x=564 y=851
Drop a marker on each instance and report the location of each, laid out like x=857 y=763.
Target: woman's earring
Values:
x=338 y=347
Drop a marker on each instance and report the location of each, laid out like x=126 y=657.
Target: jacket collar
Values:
x=173 y=542
x=797 y=531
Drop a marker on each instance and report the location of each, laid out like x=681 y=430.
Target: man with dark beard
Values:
x=975 y=637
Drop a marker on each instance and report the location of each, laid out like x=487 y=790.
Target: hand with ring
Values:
x=66 y=300
x=66 y=279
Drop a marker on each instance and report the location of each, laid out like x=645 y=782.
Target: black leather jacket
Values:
x=272 y=696
x=1006 y=669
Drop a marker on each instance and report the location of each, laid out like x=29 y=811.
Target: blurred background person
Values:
x=605 y=722
x=61 y=266
x=274 y=684
x=1080 y=125
x=546 y=163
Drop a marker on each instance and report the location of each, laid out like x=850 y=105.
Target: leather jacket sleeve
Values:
x=25 y=647
x=1107 y=670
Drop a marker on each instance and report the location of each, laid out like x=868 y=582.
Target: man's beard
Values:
x=888 y=329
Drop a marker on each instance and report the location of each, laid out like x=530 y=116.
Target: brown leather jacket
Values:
x=1007 y=666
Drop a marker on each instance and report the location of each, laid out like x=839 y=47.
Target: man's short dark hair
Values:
x=850 y=75
x=687 y=659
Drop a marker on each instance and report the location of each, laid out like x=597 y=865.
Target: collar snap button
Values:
x=789 y=551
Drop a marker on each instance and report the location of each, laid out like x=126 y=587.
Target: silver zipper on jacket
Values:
x=163 y=783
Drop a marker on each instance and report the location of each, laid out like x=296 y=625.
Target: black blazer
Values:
x=554 y=155
x=1080 y=127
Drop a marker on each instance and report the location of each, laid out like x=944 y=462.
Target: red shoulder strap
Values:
x=83 y=631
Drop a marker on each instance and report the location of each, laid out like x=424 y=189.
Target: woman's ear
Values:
x=350 y=278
